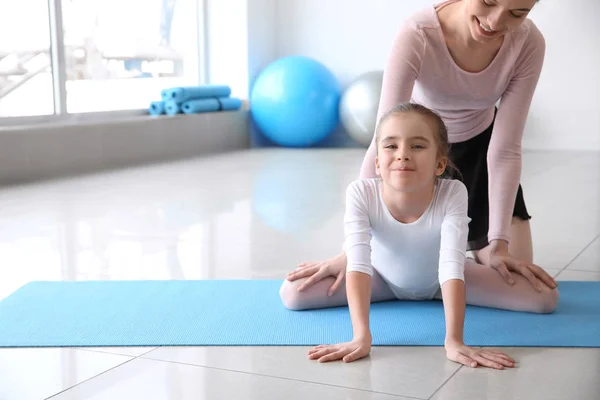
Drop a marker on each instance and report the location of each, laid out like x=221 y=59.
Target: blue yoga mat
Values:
x=249 y=312
x=181 y=94
x=208 y=105
x=156 y=108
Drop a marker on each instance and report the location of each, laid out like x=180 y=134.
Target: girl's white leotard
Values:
x=416 y=258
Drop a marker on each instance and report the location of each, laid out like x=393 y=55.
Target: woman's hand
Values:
x=320 y=270
x=347 y=352
x=503 y=262
x=471 y=357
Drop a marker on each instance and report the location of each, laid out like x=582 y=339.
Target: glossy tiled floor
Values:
x=255 y=215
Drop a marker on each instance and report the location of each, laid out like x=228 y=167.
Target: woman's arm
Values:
x=400 y=72
x=505 y=160
x=504 y=155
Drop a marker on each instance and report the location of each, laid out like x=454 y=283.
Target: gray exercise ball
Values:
x=359 y=105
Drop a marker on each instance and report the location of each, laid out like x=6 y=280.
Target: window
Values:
x=25 y=61
x=113 y=55
x=121 y=53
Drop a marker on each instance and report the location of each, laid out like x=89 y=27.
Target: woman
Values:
x=460 y=58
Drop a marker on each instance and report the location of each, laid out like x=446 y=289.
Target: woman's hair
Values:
x=440 y=133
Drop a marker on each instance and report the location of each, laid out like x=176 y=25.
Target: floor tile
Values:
x=552 y=271
x=423 y=369
x=156 y=380
x=548 y=374
x=35 y=374
x=125 y=351
x=572 y=275
x=589 y=259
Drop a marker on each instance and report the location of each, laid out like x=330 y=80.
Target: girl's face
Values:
x=407 y=158
x=490 y=19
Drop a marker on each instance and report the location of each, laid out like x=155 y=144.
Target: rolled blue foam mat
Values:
x=208 y=105
x=172 y=107
x=181 y=94
x=156 y=108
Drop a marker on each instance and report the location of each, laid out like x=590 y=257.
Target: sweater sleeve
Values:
x=401 y=70
x=357 y=230
x=455 y=228
x=504 y=154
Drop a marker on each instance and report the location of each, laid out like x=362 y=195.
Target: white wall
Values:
x=565 y=112
x=261 y=36
x=227 y=42
x=241 y=41
x=349 y=45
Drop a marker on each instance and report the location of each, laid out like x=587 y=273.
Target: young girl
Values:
x=406 y=238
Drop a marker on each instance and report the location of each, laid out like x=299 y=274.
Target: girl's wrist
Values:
x=453 y=341
x=363 y=335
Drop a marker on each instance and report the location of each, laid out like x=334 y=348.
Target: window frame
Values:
x=57 y=56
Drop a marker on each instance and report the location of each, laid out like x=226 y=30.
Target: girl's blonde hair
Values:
x=440 y=133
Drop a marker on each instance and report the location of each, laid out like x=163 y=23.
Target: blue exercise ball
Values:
x=295 y=100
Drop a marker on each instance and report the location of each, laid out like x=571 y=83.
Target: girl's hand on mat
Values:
x=503 y=262
x=471 y=357
x=317 y=271
x=347 y=352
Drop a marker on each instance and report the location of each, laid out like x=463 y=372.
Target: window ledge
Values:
x=105 y=117
x=84 y=144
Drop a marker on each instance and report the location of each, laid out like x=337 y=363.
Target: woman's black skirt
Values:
x=470 y=157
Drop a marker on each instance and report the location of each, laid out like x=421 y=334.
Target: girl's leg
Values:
x=485 y=287
x=520 y=245
x=315 y=296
